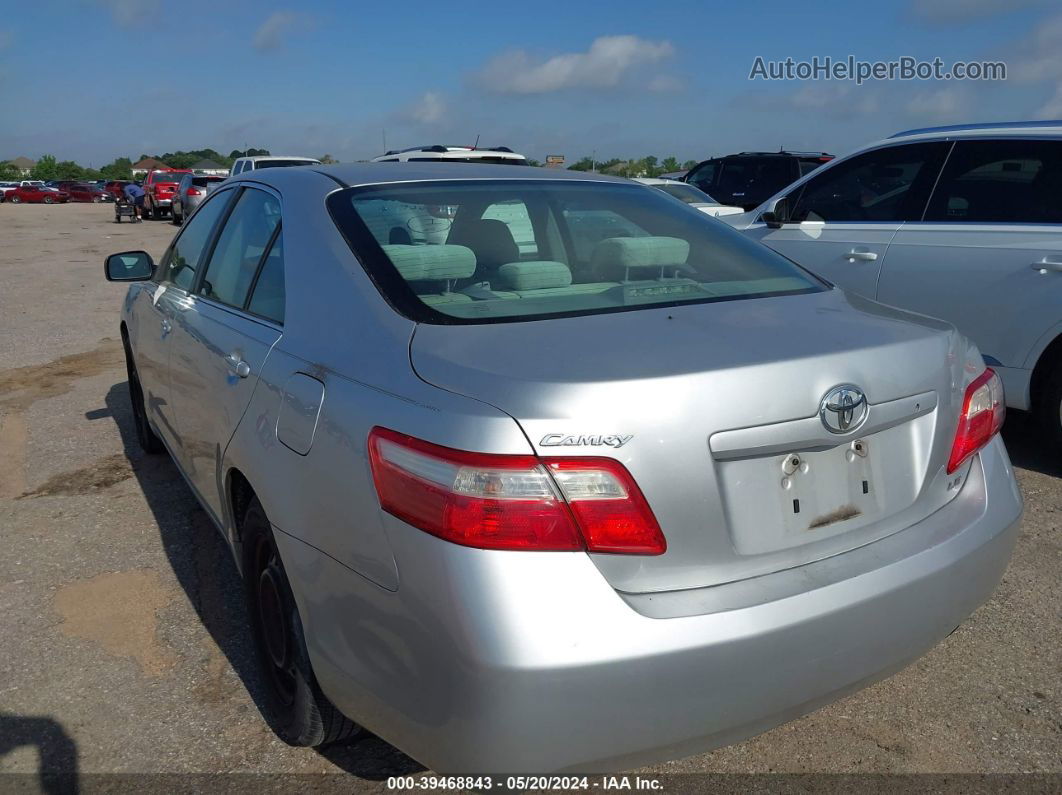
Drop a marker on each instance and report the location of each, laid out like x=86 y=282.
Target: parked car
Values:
x=453 y=154
x=242 y=164
x=962 y=223
x=81 y=192
x=614 y=501
x=115 y=186
x=6 y=187
x=747 y=178
x=190 y=192
x=159 y=188
x=34 y=194
x=694 y=197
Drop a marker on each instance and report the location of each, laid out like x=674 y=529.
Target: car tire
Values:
x=146 y=212
x=48 y=200
x=15 y=200
x=1049 y=405
x=175 y=219
x=296 y=709
x=147 y=439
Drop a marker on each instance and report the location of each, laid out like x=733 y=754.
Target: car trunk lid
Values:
x=714 y=409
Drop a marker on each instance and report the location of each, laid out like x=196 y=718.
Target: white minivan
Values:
x=962 y=223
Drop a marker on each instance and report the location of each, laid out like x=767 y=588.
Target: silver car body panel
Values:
x=445 y=650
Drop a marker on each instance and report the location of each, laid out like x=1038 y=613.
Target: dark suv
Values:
x=748 y=178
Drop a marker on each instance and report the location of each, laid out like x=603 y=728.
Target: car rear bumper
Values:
x=505 y=662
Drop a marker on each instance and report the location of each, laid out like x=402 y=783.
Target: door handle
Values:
x=238 y=365
x=866 y=256
x=167 y=327
x=1047 y=264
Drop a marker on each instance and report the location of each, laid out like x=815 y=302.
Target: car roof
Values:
x=781 y=153
x=357 y=174
x=1052 y=127
x=280 y=157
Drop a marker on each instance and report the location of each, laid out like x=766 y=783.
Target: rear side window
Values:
x=179 y=265
x=267 y=298
x=520 y=250
x=1000 y=182
x=240 y=248
x=890 y=184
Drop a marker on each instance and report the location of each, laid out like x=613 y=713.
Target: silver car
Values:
x=638 y=489
x=191 y=190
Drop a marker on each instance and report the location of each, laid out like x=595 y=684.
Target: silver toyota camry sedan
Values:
x=549 y=472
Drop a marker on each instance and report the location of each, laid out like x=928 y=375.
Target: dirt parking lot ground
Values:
x=124 y=641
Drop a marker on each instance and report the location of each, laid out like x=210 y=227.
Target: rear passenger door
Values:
x=233 y=317
x=988 y=254
x=840 y=222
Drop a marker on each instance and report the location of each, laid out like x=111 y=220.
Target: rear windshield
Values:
x=283 y=163
x=168 y=176
x=516 y=250
x=686 y=193
x=201 y=181
x=744 y=180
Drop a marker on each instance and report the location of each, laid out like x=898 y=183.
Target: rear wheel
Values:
x=1049 y=404
x=298 y=711
x=16 y=200
x=175 y=218
x=48 y=200
x=149 y=442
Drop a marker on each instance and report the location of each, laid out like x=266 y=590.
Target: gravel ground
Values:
x=125 y=648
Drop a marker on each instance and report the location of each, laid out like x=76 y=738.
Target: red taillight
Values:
x=512 y=501
x=983 y=412
x=194 y=192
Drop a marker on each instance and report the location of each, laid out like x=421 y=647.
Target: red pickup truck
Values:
x=159 y=189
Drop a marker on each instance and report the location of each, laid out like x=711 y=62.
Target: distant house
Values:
x=23 y=164
x=209 y=168
x=142 y=167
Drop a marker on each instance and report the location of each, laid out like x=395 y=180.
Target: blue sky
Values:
x=94 y=79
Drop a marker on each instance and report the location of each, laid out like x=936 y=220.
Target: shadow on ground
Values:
x=56 y=750
x=205 y=570
x=1027 y=444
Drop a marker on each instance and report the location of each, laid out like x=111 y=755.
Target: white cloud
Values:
x=277 y=26
x=665 y=84
x=603 y=65
x=1052 y=109
x=131 y=13
x=1037 y=56
x=950 y=12
x=841 y=101
x=430 y=108
x=945 y=104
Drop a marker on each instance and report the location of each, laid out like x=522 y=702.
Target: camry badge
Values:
x=595 y=440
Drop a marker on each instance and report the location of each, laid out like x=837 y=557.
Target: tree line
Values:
x=648 y=166
x=49 y=168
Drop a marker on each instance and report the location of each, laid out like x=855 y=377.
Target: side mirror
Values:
x=771 y=219
x=129 y=266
